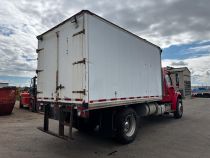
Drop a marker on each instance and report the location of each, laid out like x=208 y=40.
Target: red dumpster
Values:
x=7 y=100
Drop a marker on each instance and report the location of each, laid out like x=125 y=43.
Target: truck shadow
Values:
x=97 y=144
x=145 y=122
x=151 y=120
x=106 y=139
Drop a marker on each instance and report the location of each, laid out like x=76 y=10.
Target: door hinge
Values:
x=83 y=31
x=37 y=71
x=59 y=87
x=82 y=92
x=38 y=50
x=80 y=61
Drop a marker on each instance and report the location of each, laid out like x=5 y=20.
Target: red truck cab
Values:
x=170 y=95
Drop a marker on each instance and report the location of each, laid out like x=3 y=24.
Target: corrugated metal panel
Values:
x=187 y=88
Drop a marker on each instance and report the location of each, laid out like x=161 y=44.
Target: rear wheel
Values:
x=126 y=125
x=179 y=109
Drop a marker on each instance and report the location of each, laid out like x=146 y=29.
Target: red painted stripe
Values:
x=67 y=99
x=101 y=100
x=131 y=98
x=113 y=99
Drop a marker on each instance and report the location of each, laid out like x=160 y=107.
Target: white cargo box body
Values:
x=87 y=59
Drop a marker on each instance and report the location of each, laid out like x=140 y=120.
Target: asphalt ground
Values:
x=158 y=137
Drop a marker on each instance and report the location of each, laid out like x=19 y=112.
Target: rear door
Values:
x=72 y=62
x=78 y=67
x=46 y=67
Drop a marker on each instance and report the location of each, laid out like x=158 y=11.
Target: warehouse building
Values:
x=3 y=84
x=181 y=78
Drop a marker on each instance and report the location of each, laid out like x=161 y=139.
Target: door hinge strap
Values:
x=37 y=71
x=82 y=92
x=83 y=31
x=38 y=50
x=80 y=62
x=59 y=87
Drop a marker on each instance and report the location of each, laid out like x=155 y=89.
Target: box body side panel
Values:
x=121 y=65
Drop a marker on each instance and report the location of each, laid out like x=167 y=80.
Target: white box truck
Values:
x=92 y=72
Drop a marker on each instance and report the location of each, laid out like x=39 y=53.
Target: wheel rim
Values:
x=180 y=108
x=129 y=125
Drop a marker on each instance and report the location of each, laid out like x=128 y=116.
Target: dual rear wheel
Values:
x=126 y=123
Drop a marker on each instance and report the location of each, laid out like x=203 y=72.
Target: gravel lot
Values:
x=158 y=137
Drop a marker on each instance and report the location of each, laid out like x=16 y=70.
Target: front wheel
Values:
x=126 y=125
x=179 y=109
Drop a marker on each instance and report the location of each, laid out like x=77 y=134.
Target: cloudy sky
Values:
x=180 y=27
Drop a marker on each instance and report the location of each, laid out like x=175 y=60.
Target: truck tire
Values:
x=179 y=109
x=126 y=125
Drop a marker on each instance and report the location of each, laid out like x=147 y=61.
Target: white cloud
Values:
x=164 y=22
x=179 y=63
x=199 y=67
x=201 y=48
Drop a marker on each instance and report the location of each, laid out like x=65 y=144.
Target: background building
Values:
x=181 y=78
x=3 y=84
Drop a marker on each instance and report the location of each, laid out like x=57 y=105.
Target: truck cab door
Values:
x=169 y=90
x=170 y=94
